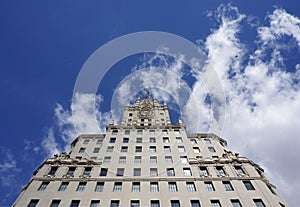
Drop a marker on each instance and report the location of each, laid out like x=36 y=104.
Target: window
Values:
x=138 y=149
x=139 y=131
x=259 y=203
x=220 y=170
x=122 y=160
x=110 y=149
x=127 y=132
x=207 y=141
x=136 y=187
x=43 y=186
x=114 y=132
x=99 y=141
x=114 y=203
x=227 y=186
x=71 y=170
x=134 y=203
x=181 y=149
x=103 y=172
x=178 y=139
x=166 y=140
x=152 y=140
x=248 y=185
x=168 y=159
x=74 y=203
x=190 y=186
x=281 y=205
x=154 y=187
x=175 y=203
x=124 y=149
x=203 y=171
x=236 y=203
x=164 y=131
x=176 y=131
x=172 y=187
x=195 y=203
x=96 y=150
x=153 y=172
x=125 y=140
x=95 y=203
x=153 y=159
x=87 y=171
x=86 y=141
x=117 y=187
x=82 y=150
x=52 y=171
x=196 y=149
x=170 y=172
x=81 y=186
x=99 y=187
x=167 y=149
x=187 y=172
x=152 y=131
x=211 y=149
x=139 y=140
x=137 y=159
x=193 y=141
x=63 y=186
x=33 y=203
x=106 y=159
x=215 y=203
x=239 y=170
x=154 y=203
x=152 y=149
x=55 y=203
x=183 y=159
x=209 y=186
x=137 y=172
x=120 y=172
x=271 y=189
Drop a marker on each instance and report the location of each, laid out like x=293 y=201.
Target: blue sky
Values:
x=253 y=47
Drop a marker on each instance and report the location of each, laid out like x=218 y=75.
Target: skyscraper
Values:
x=148 y=161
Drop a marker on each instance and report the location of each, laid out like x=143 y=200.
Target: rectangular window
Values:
x=139 y=131
x=138 y=149
x=166 y=140
x=154 y=203
x=196 y=149
x=134 y=203
x=33 y=203
x=137 y=172
x=248 y=185
x=63 y=186
x=117 y=187
x=203 y=171
x=87 y=171
x=71 y=170
x=153 y=172
x=114 y=132
x=139 y=140
x=176 y=131
x=220 y=170
x=81 y=186
x=96 y=150
x=99 y=187
x=55 y=203
x=127 y=132
x=110 y=149
x=152 y=131
x=170 y=172
x=168 y=159
x=227 y=186
x=86 y=141
x=99 y=141
x=235 y=203
x=211 y=149
x=164 y=131
x=125 y=140
x=167 y=148
x=183 y=159
x=215 y=203
x=193 y=141
x=195 y=203
x=120 y=172
x=181 y=149
x=124 y=149
x=103 y=172
x=209 y=186
x=74 y=203
x=152 y=140
x=153 y=159
x=175 y=203
x=95 y=203
x=154 y=187
x=82 y=150
x=172 y=187
x=239 y=170
x=136 y=187
x=137 y=159
x=106 y=159
x=259 y=203
x=114 y=203
x=43 y=186
x=52 y=171
x=187 y=172
x=152 y=149
x=207 y=141
x=190 y=186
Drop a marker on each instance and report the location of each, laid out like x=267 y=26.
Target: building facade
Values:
x=148 y=161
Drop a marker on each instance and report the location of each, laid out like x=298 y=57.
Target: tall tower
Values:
x=148 y=161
